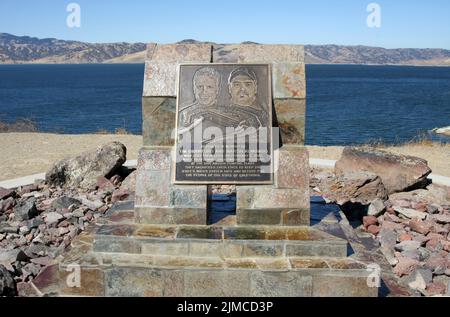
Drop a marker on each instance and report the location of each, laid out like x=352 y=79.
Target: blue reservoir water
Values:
x=346 y=104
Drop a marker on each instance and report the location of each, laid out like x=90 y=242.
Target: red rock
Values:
x=88 y=216
x=119 y=194
x=107 y=199
x=421 y=238
x=374 y=229
x=433 y=243
x=29 y=237
x=6 y=204
x=369 y=221
x=405 y=266
x=439 y=229
x=26 y=290
x=5 y=193
x=116 y=180
x=28 y=189
x=392 y=225
x=103 y=209
x=446 y=245
x=404 y=237
x=44 y=261
x=393 y=218
x=390 y=211
x=420 y=206
x=129 y=183
x=355 y=187
x=432 y=235
x=437 y=263
x=420 y=226
x=64 y=223
x=434 y=209
x=48 y=201
x=402 y=203
x=436 y=288
x=105 y=184
x=67 y=241
x=47 y=278
x=444 y=219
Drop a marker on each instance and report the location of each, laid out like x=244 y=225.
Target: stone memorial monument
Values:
x=216 y=115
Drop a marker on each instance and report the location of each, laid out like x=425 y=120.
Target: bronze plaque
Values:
x=224 y=124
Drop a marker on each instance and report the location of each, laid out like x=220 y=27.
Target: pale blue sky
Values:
x=405 y=23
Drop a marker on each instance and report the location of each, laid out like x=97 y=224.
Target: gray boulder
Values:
x=7 y=228
x=52 y=217
x=407 y=246
x=419 y=279
x=65 y=202
x=399 y=173
x=11 y=256
x=26 y=210
x=7 y=285
x=376 y=208
x=83 y=170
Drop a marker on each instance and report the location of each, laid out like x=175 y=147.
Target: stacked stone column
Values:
x=158 y=200
x=286 y=202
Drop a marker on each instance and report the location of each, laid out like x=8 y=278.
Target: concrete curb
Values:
x=30 y=179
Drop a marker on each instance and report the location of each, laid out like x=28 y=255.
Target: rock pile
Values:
x=38 y=221
x=414 y=236
x=395 y=202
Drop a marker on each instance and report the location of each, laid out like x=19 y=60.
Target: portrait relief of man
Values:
x=243 y=88
x=206 y=86
x=223 y=119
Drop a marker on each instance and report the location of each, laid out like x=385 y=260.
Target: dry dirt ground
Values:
x=23 y=154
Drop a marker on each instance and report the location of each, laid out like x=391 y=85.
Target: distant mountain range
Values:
x=24 y=49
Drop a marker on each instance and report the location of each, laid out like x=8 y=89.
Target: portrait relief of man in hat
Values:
x=243 y=88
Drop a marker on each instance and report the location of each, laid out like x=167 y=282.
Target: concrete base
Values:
x=119 y=275
x=119 y=257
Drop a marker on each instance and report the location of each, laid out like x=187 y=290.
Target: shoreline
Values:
x=25 y=154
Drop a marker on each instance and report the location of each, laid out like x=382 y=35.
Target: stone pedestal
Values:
x=161 y=244
x=286 y=202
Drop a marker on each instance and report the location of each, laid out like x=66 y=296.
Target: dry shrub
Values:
x=121 y=131
x=21 y=125
x=102 y=131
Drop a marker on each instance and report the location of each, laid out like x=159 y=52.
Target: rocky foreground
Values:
x=387 y=195
x=390 y=197
x=39 y=221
